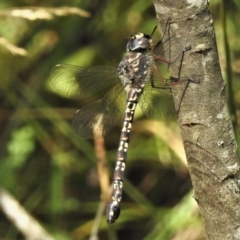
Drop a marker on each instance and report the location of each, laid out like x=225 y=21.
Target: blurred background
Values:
x=51 y=181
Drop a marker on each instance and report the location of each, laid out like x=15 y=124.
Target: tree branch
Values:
x=203 y=116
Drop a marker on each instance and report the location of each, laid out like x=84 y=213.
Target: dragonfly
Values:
x=131 y=83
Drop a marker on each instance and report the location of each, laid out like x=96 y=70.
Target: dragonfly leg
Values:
x=161 y=78
x=173 y=80
x=179 y=79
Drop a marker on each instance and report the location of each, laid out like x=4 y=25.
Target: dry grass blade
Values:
x=41 y=13
x=64 y=11
x=13 y=49
x=21 y=219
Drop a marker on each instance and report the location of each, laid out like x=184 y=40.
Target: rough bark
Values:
x=203 y=117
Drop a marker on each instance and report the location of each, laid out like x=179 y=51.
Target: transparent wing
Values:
x=96 y=119
x=158 y=102
x=78 y=82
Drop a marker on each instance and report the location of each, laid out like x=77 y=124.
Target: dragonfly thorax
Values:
x=135 y=67
x=139 y=42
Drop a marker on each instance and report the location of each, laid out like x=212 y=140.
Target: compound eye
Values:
x=138 y=44
x=143 y=43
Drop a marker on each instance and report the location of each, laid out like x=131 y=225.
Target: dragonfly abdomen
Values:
x=113 y=209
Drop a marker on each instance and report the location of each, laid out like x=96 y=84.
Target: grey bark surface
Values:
x=203 y=116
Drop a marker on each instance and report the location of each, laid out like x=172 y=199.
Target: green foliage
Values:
x=21 y=146
x=52 y=172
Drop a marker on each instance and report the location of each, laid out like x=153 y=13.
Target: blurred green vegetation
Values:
x=52 y=172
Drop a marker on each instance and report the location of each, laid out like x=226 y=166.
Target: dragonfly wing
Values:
x=79 y=82
x=158 y=103
x=96 y=119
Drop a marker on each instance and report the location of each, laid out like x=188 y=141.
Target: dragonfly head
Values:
x=139 y=42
